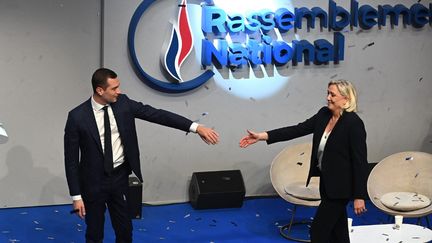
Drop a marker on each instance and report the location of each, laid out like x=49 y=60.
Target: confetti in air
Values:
x=368 y=45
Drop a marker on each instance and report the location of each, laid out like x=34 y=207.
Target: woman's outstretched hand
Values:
x=252 y=138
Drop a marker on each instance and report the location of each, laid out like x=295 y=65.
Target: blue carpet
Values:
x=258 y=220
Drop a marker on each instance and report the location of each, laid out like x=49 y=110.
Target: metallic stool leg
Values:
x=287 y=227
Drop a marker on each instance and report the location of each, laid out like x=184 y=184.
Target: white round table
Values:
x=408 y=233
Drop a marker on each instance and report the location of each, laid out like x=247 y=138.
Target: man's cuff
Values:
x=76 y=197
x=193 y=127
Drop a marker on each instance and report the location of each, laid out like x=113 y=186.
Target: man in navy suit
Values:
x=101 y=150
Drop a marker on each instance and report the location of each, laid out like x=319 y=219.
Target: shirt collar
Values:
x=96 y=106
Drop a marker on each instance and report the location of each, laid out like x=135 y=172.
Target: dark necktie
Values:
x=108 y=155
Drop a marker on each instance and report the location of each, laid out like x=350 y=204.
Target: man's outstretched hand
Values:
x=208 y=135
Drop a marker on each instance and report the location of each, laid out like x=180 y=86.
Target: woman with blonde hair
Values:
x=339 y=158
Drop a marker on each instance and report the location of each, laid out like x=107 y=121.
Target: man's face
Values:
x=111 y=92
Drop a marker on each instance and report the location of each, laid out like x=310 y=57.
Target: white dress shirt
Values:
x=117 y=146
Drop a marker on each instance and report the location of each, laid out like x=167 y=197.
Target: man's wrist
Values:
x=193 y=128
x=76 y=198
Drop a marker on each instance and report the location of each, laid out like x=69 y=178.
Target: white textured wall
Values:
x=48 y=51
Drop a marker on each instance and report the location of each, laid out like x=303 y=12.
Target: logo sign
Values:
x=255 y=40
x=178 y=47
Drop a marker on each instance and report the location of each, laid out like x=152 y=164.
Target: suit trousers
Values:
x=114 y=196
x=330 y=224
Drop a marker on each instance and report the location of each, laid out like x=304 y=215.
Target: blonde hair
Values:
x=347 y=90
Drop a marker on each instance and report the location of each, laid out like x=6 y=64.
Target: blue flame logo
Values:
x=178 y=48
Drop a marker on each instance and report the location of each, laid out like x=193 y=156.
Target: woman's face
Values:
x=335 y=101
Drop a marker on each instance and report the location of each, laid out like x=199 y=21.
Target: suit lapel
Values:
x=322 y=121
x=90 y=121
x=323 y=124
x=338 y=123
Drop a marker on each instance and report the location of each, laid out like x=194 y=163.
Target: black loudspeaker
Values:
x=217 y=189
x=134 y=198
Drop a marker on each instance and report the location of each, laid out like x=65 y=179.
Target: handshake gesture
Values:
x=210 y=136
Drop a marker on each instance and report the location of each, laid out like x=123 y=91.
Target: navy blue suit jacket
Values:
x=344 y=163
x=83 y=149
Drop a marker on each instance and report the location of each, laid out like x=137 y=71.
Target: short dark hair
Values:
x=100 y=78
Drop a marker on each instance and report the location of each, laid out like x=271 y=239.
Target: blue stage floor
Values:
x=258 y=220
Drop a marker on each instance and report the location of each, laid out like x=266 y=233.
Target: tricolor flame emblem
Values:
x=179 y=46
x=175 y=52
